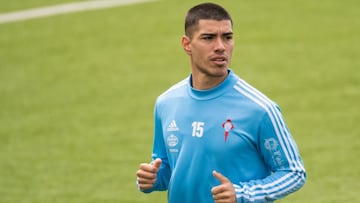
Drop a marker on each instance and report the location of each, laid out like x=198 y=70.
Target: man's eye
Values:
x=207 y=37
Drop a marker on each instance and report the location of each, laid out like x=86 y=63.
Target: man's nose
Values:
x=219 y=45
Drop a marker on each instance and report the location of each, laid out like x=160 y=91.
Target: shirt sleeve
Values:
x=281 y=155
x=159 y=151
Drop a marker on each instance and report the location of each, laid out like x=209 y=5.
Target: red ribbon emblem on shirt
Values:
x=228 y=126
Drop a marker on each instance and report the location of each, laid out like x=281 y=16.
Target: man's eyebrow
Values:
x=228 y=33
x=214 y=34
x=208 y=34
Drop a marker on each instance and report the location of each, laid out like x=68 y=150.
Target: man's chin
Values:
x=219 y=71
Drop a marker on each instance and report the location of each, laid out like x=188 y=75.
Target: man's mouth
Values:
x=220 y=60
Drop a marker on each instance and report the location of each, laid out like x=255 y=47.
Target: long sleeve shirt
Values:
x=233 y=129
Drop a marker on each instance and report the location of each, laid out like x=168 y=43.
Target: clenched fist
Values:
x=147 y=174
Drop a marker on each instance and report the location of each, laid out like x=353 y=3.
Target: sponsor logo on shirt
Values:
x=273 y=146
x=173 y=126
x=172 y=140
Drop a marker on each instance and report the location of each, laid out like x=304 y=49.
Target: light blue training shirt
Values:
x=233 y=129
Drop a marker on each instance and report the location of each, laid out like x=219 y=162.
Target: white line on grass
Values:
x=63 y=8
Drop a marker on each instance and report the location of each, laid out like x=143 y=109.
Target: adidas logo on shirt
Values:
x=172 y=126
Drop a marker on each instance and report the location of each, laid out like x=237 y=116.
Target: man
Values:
x=218 y=139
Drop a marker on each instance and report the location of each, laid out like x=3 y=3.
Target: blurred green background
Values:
x=77 y=93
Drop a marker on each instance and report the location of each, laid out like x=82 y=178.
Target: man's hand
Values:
x=225 y=192
x=147 y=174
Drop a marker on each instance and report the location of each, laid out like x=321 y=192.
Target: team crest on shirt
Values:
x=228 y=126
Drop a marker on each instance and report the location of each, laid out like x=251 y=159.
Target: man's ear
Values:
x=185 y=42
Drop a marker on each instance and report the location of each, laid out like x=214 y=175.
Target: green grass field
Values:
x=77 y=93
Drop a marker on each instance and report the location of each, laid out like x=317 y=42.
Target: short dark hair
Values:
x=204 y=11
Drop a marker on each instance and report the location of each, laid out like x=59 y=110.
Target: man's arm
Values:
x=155 y=176
x=280 y=153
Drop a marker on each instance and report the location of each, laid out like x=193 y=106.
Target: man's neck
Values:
x=204 y=82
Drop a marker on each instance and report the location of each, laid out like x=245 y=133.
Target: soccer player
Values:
x=217 y=138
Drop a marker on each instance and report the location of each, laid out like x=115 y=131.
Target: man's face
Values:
x=210 y=48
